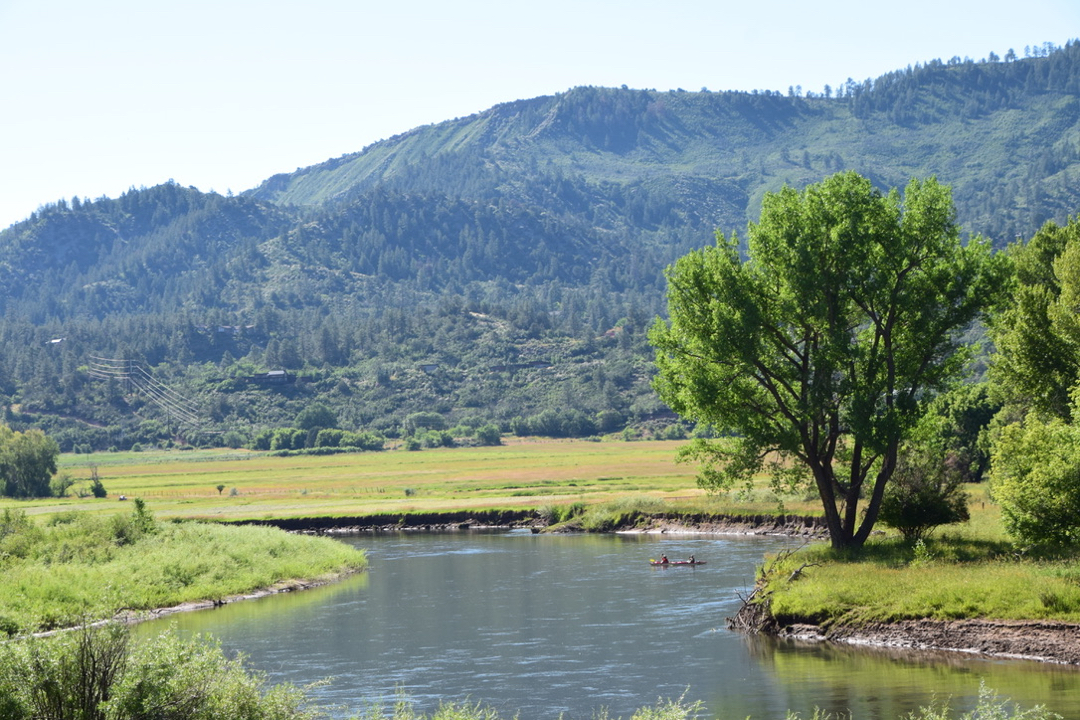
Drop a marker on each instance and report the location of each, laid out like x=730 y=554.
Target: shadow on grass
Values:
x=898 y=552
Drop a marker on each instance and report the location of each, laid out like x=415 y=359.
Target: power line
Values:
x=134 y=375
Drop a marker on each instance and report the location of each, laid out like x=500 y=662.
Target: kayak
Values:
x=677 y=562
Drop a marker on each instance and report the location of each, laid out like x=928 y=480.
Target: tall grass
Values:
x=624 y=512
x=84 y=566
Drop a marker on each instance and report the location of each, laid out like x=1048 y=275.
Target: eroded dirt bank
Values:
x=790 y=525
x=1047 y=641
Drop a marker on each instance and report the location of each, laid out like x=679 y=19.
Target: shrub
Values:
x=60 y=485
x=925 y=492
x=232 y=439
x=489 y=435
x=610 y=421
x=99 y=672
x=437 y=438
x=419 y=421
x=363 y=440
x=263 y=440
x=329 y=437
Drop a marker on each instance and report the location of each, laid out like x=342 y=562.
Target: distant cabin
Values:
x=274 y=377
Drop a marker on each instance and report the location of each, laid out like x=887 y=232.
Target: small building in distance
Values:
x=273 y=377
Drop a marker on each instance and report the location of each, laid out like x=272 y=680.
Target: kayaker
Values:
x=663 y=559
x=691 y=559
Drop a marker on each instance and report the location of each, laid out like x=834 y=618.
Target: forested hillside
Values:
x=499 y=268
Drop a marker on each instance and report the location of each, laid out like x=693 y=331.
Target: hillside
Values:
x=636 y=160
x=501 y=267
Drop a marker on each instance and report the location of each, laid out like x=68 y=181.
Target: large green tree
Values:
x=27 y=462
x=820 y=350
x=1037 y=363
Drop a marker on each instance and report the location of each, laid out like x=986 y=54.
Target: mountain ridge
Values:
x=530 y=236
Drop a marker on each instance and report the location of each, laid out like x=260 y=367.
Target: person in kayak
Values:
x=691 y=559
x=663 y=560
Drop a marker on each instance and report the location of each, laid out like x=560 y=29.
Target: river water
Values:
x=542 y=625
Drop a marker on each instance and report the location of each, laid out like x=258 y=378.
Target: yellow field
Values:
x=521 y=475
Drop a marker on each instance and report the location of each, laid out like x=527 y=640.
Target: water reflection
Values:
x=890 y=682
x=543 y=625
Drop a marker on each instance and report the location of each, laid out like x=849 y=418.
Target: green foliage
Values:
x=990 y=707
x=553 y=422
x=1036 y=480
x=99 y=673
x=419 y=421
x=489 y=435
x=314 y=416
x=27 y=462
x=436 y=438
x=97 y=488
x=519 y=266
x=927 y=487
x=1037 y=363
x=947 y=577
x=824 y=346
x=617 y=514
x=60 y=484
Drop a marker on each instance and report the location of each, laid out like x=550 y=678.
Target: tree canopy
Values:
x=820 y=350
x=27 y=462
x=1038 y=335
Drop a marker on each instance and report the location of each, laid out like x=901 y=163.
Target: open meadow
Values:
x=244 y=485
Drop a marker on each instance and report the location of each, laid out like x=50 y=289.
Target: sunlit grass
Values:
x=524 y=475
x=963 y=571
x=90 y=567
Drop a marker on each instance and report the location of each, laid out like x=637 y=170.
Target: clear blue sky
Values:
x=102 y=96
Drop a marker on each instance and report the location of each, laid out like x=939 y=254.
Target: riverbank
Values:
x=1043 y=641
x=632 y=521
x=953 y=593
x=84 y=568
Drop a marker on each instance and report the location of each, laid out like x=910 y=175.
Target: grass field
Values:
x=259 y=486
x=520 y=475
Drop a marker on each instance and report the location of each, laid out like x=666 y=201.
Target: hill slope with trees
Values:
x=495 y=269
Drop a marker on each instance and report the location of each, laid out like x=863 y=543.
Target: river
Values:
x=543 y=625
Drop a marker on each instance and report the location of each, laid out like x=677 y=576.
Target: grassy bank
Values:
x=963 y=571
x=80 y=566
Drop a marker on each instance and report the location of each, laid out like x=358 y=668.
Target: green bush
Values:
x=489 y=435
x=97 y=489
x=925 y=492
x=99 y=673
